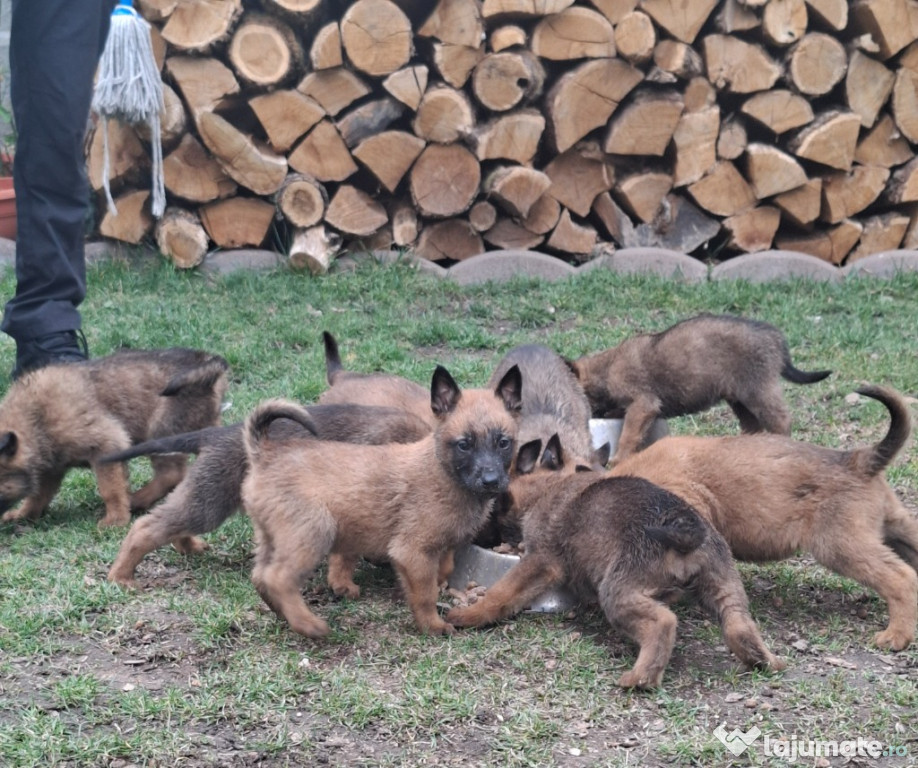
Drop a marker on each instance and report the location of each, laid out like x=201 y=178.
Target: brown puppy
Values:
x=629 y=544
x=381 y=389
x=409 y=504
x=212 y=490
x=65 y=416
x=771 y=496
x=688 y=368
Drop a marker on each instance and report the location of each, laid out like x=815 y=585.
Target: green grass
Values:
x=191 y=669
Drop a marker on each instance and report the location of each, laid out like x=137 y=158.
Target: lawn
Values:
x=191 y=669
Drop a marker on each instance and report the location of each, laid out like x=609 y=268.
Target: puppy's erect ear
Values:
x=527 y=456
x=8 y=444
x=574 y=368
x=553 y=458
x=583 y=468
x=601 y=455
x=510 y=389
x=444 y=392
x=332 y=358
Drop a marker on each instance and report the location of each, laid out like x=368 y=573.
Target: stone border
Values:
x=498 y=266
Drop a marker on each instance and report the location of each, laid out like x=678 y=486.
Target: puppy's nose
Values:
x=491 y=479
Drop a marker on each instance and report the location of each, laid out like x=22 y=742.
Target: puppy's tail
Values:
x=795 y=375
x=198 y=379
x=332 y=358
x=186 y=442
x=258 y=424
x=873 y=460
x=679 y=527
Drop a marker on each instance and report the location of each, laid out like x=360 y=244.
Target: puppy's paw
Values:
x=189 y=545
x=346 y=589
x=315 y=628
x=112 y=521
x=463 y=617
x=893 y=639
x=644 y=681
x=122 y=580
x=775 y=663
x=15 y=515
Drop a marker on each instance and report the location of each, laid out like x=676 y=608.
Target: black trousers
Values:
x=55 y=46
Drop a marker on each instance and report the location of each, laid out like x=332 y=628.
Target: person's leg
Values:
x=54 y=49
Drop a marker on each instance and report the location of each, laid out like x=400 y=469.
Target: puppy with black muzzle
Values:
x=408 y=504
x=212 y=489
x=626 y=543
x=65 y=416
x=772 y=497
x=691 y=367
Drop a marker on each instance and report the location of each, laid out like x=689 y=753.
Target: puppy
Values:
x=628 y=544
x=408 y=504
x=381 y=389
x=688 y=368
x=64 y=416
x=771 y=496
x=212 y=489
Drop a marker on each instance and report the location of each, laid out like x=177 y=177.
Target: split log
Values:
x=585 y=98
x=578 y=175
x=695 y=145
x=408 y=85
x=802 y=205
x=314 y=249
x=285 y=116
x=156 y=10
x=302 y=200
x=903 y=186
x=516 y=189
x=888 y=22
x=181 y=238
x=522 y=9
x=482 y=216
x=736 y=66
x=784 y=21
x=264 y=51
x=680 y=59
x=509 y=36
x=457 y=22
x=127 y=159
x=191 y=173
x=616 y=222
x=575 y=33
x=543 y=215
x=511 y=235
x=376 y=36
x=133 y=221
x=203 y=83
x=723 y=191
x=699 y=95
x=771 y=171
x=572 y=238
x=405 y=223
x=642 y=193
x=245 y=160
x=732 y=140
x=173 y=121
x=817 y=64
x=389 y=155
x=905 y=103
x=304 y=12
x=883 y=145
x=881 y=233
x=456 y=62
x=503 y=80
x=753 y=230
x=453 y=239
x=678 y=226
x=832 y=245
x=237 y=222
x=831 y=139
x=197 y=26
x=333 y=89
x=369 y=119
x=513 y=136
x=354 y=212
x=832 y=13
x=847 y=194
x=736 y=16
x=444 y=115
x=635 y=38
x=646 y=125
x=614 y=10
x=867 y=87
x=326 y=51
x=683 y=20
x=323 y=154
x=778 y=110
x=444 y=180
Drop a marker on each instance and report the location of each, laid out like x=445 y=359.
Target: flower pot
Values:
x=7 y=208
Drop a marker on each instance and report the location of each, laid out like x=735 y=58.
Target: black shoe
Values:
x=60 y=347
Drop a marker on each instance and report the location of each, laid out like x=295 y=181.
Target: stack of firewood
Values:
x=453 y=127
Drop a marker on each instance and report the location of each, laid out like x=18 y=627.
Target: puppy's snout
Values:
x=493 y=480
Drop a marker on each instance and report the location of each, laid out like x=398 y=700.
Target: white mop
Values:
x=128 y=87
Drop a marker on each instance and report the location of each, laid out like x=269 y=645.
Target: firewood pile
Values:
x=710 y=127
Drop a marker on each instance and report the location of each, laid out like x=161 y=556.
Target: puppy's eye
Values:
x=505 y=443
x=464 y=444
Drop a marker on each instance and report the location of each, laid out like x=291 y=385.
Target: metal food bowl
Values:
x=485 y=567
